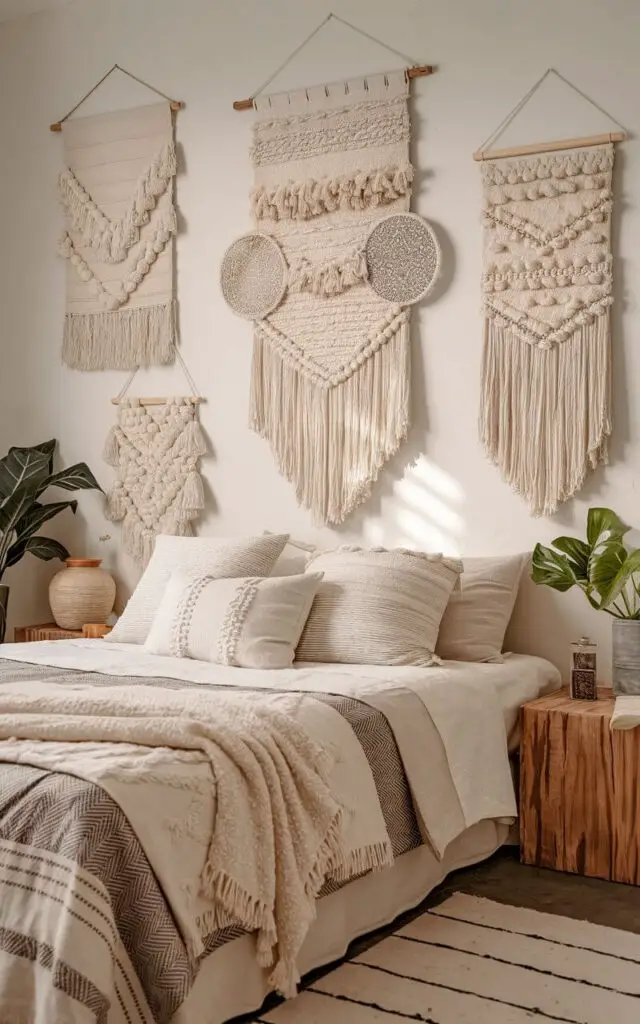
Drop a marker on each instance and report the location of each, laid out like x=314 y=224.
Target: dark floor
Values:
x=505 y=879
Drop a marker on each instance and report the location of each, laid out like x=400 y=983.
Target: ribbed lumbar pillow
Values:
x=249 y=556
x=377 y=607
x=249 y=622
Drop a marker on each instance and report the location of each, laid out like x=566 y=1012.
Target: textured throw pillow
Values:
x=250 y=622
x=294 y=558
x=251 y=556
x=377 y=607
x=477 y=616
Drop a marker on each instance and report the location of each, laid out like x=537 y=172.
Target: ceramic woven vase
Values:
x=83 y=592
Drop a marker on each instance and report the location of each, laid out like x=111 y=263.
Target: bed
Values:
x=93 y=925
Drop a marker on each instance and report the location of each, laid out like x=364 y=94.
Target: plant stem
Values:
x=624 y=597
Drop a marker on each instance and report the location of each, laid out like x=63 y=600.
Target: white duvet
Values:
x=449 y=721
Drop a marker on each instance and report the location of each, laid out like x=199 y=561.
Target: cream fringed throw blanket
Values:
x=330 y=378
x=237 y=818
x=117 y=195
x=546 y=377
x=155 y=449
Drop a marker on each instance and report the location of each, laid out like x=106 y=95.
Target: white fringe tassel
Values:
x=545 y=414
x=120 y=340
x=332 y=442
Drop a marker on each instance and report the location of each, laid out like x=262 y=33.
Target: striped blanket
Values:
x=86 y=933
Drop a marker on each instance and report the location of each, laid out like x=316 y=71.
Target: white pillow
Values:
x=249 y=622
x=294 y=558
x=476 y=619
x=377 y=607
x=251 y=556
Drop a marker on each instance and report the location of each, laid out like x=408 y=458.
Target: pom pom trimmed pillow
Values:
x=249 y=622
x=377 y=607
x=216 y=556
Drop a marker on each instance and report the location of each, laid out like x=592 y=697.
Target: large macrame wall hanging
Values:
x=117 y=194
x=545 y=415
x=155 y=447
x=327 y=277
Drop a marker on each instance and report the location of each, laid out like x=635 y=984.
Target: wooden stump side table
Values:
x=579 y=788
x=49 y=631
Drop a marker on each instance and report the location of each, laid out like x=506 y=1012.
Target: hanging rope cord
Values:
x=504 y=124
x=318 y=28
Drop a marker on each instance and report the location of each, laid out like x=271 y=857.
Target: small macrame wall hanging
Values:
x=546 y=415
x=155 y=446
x=328 y=277
x=117 y=194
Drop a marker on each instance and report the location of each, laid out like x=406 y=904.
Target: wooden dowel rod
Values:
x=550 y=147
x=417 y=72
x=174 y=104
x=195 y=400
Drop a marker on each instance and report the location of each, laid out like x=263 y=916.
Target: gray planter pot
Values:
x=4 y=604
x=626 y=656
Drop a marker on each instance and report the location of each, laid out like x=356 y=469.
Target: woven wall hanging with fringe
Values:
x=117 y=195
x=547 y=284
x=155 y=449
x=330 y=373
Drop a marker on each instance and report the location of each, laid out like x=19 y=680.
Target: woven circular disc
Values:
x=253 y=275
x=403 y=258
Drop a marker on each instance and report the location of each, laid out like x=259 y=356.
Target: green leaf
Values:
x=46 y=548
x=75 y=478
x=604 y=525
x=24 y=466
x=550 y=569
x=604 y=564
x=11 y=511
x=630 y=566
x=30 y=522
x=577 y=553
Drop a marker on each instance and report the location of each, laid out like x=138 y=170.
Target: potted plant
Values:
x=25 y=474
x=609 y=576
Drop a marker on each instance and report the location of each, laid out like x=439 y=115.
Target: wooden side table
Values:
x=579 y=788
x=49 y=631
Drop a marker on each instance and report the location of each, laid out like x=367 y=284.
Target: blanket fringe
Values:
x=360 y=861
x=120 y=340
x=545 y=414
x=331 y=442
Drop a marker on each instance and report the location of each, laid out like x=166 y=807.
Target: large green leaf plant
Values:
x=602 y=567
x=25 y=474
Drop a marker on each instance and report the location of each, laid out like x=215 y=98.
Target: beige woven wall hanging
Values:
x=155 y=447
x=117 y=195
x=330 y=375
x=547 y=283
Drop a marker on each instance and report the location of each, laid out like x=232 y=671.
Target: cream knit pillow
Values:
x=476 y=619
x=377 y=607
x=251 y=556
x=250 y=622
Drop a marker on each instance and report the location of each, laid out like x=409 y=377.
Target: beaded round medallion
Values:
x=403 y=258
x=253 y=275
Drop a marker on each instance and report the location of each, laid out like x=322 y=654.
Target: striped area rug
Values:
x=474 y=961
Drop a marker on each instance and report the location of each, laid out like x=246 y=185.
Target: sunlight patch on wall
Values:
x=427 y=509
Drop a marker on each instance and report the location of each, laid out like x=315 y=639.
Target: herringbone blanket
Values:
x=140 y=969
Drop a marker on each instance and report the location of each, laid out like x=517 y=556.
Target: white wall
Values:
x=440 y=491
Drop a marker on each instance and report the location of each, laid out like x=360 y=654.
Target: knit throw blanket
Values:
x=546 y=376
x=330 y=384
x=117 y=195
x=241 y=797
x=155 y=449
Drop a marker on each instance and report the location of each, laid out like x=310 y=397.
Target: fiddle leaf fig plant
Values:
x=25 y=474
x=602 y=567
